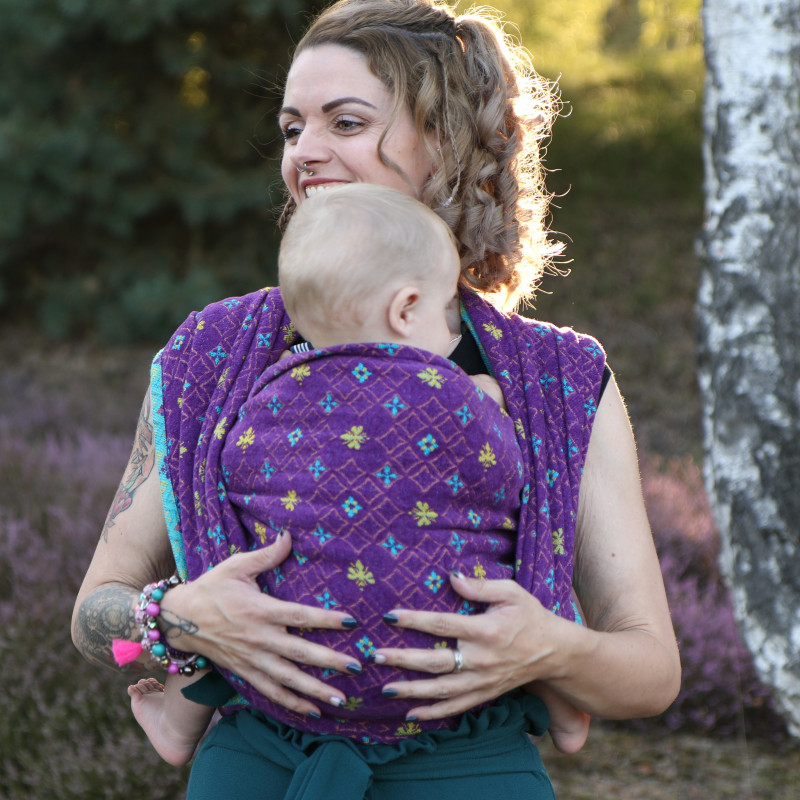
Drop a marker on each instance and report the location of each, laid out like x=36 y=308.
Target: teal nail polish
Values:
x=456 y=574
x=354 y=668
x=389 y=693
x=314 y=715
x=412 y=719
x=349 y=622
x=391 y=619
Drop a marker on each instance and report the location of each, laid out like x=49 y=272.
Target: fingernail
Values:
x=337 y=701
x=354 y=668
x=314 y=715
x=412 y=718
x=391 y=619
x=389 y=692
x=456 y=574
x=349 y=622
x=377 y=659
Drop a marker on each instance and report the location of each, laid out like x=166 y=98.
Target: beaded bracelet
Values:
x=146 y=615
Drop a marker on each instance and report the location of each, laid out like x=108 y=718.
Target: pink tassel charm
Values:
x=124 y=651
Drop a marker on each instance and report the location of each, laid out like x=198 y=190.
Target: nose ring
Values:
x=304 y=168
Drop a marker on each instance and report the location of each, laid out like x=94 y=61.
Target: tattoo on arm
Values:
x=106 y=614
x=140 y=465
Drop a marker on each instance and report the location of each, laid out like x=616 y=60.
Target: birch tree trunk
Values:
x=749 y=312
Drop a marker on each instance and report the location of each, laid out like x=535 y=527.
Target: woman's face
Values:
x=334 y=112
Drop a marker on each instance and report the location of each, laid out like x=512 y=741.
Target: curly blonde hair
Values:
x=462 y=77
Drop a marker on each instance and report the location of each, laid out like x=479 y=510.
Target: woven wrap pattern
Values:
x=212 y=397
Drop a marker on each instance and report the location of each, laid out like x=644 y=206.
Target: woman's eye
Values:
x=346 y=125
x=290 y=132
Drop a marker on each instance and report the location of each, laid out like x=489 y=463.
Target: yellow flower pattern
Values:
x=261 y=532
x=423 y=514
x=360 y=574
x=487 y=456
x=300 y=372
x=479 y=572
x=288 y=332
x=219 y=428
x=432 y=377
x=493 y=330
x=408 y=729
x=355 y=437
x=246 y=439
x=558 y=542
x=290 y=500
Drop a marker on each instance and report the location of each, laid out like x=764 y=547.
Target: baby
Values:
x=369 y=276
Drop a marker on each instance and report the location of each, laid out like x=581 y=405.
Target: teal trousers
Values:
x=248 y=756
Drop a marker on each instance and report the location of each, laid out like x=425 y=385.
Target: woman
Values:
x=404 y=94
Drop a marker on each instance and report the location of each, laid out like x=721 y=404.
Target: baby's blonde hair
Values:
x=350 y=245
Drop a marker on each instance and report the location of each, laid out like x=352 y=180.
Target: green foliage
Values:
x=129 y=189
x=139 y=155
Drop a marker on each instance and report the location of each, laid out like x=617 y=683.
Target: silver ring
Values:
x=459 y=659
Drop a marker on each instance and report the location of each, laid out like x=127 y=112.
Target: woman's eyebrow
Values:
x=329 y=106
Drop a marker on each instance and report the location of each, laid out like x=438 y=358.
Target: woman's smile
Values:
x=332 y=128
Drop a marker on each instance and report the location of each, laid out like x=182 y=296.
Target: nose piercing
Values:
x=304 y=168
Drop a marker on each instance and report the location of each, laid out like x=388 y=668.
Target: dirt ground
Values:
x=626 y=765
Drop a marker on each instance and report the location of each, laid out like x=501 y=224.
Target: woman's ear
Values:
x=402 y=310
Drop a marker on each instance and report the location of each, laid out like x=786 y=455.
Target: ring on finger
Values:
x=458 y=658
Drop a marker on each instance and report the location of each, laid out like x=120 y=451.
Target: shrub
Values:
x=66 y=730
x=130 y=189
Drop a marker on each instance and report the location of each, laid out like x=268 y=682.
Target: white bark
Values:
x=749 y=312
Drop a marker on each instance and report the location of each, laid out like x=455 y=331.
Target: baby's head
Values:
x=364 y=263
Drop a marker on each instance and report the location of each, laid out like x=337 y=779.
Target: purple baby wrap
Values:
x=389 y=468
x=207 y=395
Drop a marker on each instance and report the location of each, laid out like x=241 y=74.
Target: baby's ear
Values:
x=402 y=311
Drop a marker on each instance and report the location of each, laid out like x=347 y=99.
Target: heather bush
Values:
x=65 y=727
x=720 y=692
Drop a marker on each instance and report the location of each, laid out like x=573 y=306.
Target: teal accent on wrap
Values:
x=172 y=514
x=468 y=322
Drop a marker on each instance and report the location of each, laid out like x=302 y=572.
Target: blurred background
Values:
x=139 y=180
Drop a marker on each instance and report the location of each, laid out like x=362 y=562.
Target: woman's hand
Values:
x=506 y=647
x=226 y=617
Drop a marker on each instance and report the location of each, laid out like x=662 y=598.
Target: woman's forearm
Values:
x=616 y=675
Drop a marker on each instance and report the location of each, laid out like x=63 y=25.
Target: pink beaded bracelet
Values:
x=146 y=615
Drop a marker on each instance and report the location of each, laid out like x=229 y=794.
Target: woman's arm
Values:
x=625 y=664
x=223 y=615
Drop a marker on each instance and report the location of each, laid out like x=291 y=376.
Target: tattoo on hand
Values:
x=173 y=625
x=140 y=465
x=106 y=614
